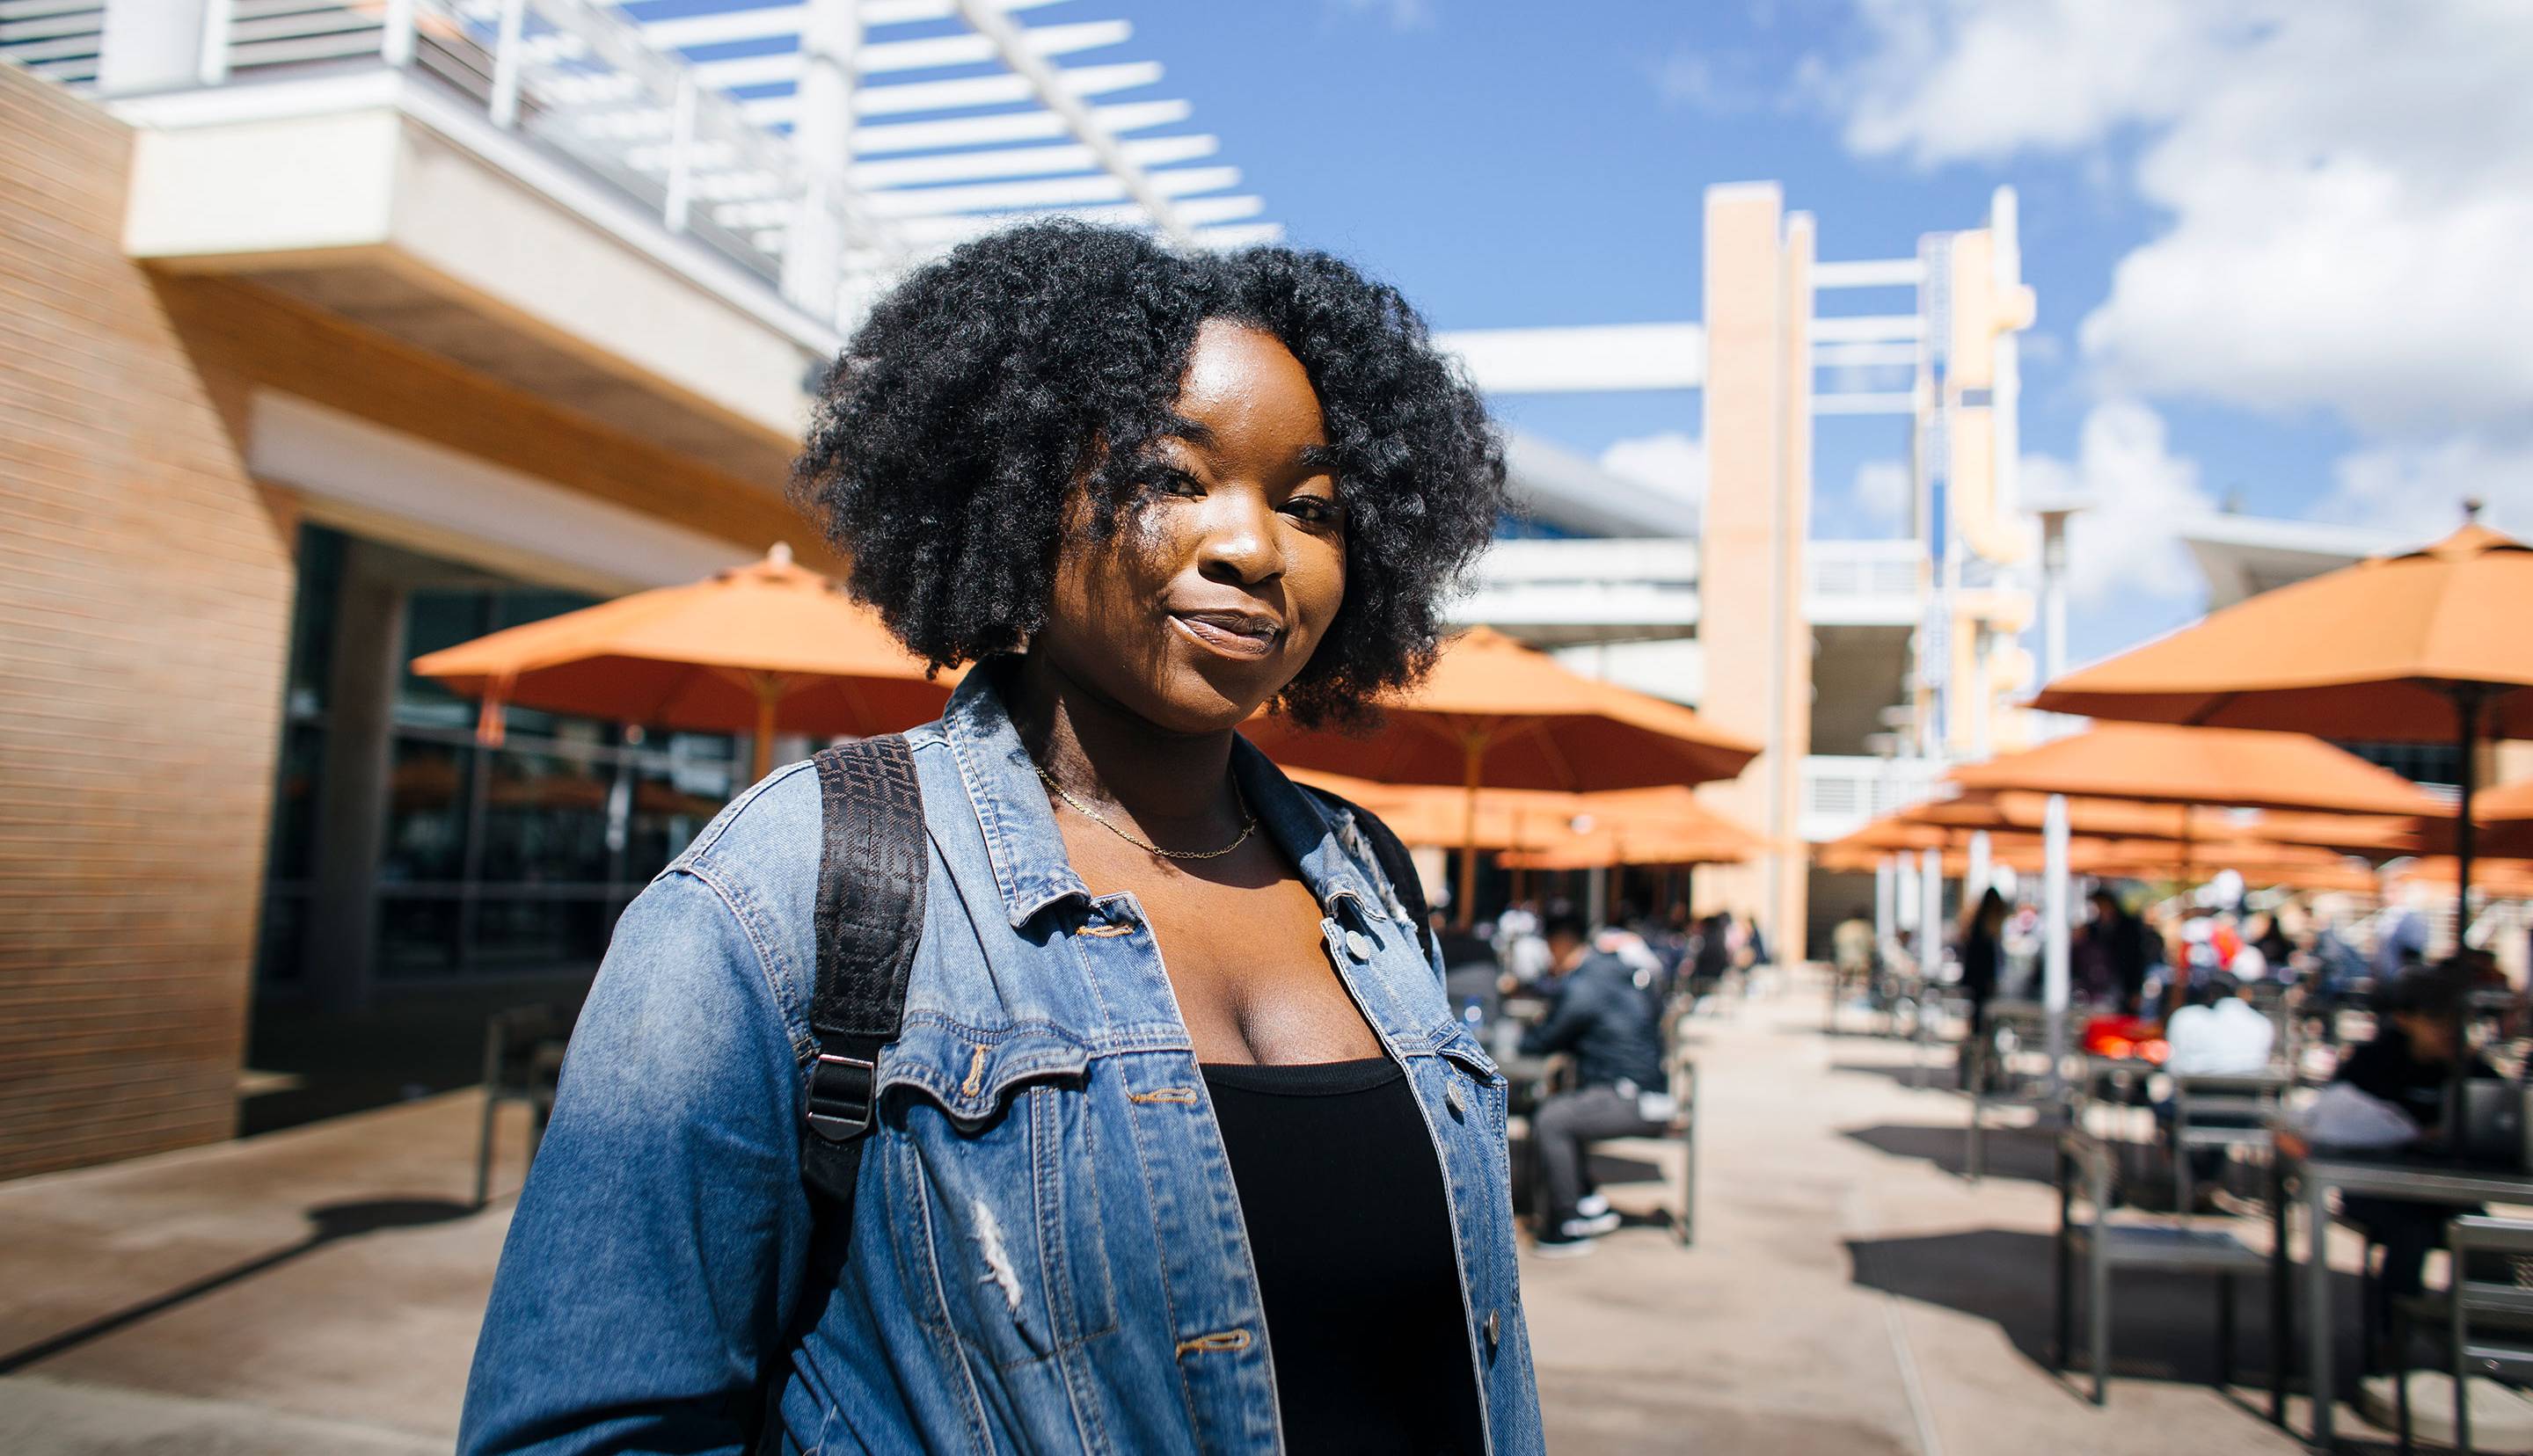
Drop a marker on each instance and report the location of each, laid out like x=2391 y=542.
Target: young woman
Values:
x=1181 y=1147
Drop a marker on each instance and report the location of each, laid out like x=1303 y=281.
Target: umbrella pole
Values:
x=1473 y=750
x=769 y=696
x=2467 y=698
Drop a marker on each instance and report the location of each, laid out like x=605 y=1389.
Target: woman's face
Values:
x=1214 y=592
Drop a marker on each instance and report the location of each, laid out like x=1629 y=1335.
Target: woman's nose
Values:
x=1240 y=541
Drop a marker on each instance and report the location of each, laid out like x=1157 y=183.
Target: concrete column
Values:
x=341 y=948
x=1886 y=883
x=1974 y=881
x=2054 y=948
x=822 y=134
x=1757 y=424
x=1930 y=914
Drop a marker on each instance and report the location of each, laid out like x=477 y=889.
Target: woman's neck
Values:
x=1105 y=754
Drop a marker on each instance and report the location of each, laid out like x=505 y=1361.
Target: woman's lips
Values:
x=1230 y=637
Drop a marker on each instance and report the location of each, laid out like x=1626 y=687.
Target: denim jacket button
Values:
x=1494 y=1331
x=1358 y=945
x=1451 y=1099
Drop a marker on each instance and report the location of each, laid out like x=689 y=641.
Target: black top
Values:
x=1612 y=1024
x=1352 y=1235
x=2389 y=1070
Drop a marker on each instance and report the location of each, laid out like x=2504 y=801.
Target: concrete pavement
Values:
x=317 y=1290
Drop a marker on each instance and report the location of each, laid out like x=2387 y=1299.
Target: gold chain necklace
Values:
x=1248 y=827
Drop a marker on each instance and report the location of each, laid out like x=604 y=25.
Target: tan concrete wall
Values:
x=1757 y=646
x=144 y=600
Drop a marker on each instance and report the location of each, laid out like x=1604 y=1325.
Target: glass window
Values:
x=292 y=857
x=671 y=804
x=436 y=618
x=418 y=935
x=516 y=932
x=430 y=790
x=545 y=819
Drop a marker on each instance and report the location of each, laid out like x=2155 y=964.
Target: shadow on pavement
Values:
x=1946 y=1077
x=2163 y=1325
x=332 y=1223
x=2009 y=1152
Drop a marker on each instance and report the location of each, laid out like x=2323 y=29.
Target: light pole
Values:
x=2055 y=952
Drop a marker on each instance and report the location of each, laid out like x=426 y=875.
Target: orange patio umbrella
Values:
x=1495 y=714
x=2425 y=647
x=2374 y=834
x=766 y=648
x=2151 y=764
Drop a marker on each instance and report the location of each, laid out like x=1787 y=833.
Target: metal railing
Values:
x=60 y=40
x=1863 y=568
x=1841 y=793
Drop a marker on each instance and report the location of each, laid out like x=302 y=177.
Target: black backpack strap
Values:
x=871 y=871
x=1396 y=865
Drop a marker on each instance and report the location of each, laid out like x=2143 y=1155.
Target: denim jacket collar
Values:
x=1030 y=869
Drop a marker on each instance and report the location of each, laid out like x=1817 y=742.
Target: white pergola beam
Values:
x=787 y=19
x=1023 y=161
x=1056 y=94
x=1591 y=359
x=1018 y=126
x=883 y=57
x=1050 y=192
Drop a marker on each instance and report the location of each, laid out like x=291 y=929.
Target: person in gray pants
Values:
x=1608 y=1015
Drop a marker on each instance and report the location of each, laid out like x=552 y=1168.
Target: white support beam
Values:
x=1582 y=360
x=1888 y=402
x=1892 y=272
x=1864 y=356
x=1056 y=94
x=1867 y=328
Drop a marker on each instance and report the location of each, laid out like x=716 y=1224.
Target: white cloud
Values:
x=2418 y=490
x=2121 y=548
x=2348 y=186
x=1882 y=492
x=1402 y=14
x=1671 y=462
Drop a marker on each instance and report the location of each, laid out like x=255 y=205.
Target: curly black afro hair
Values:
x=949 y=436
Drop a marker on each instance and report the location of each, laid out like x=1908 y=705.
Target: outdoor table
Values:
x=2405 y=1177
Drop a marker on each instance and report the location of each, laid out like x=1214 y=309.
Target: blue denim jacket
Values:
x=1046 y=1251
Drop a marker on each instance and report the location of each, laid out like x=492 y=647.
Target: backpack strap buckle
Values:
x=842 y=1091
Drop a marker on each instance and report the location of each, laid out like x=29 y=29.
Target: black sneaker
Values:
x=1561 y=1246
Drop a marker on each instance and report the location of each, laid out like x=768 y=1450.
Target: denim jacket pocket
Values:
x=996 y=1160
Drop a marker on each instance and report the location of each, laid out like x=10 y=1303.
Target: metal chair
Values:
x=523 y=1051
x=2222 y=1112
x=2488 y=1323
x=2084 y=1170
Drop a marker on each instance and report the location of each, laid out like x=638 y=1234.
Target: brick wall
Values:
x=144 y=596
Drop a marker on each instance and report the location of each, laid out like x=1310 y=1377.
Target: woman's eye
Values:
x=1179 y=482
x=1315 y=509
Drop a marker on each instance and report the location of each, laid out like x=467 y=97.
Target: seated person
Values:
x=1607 y=1016
x=2218 y=1034
x=2407 y=1065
